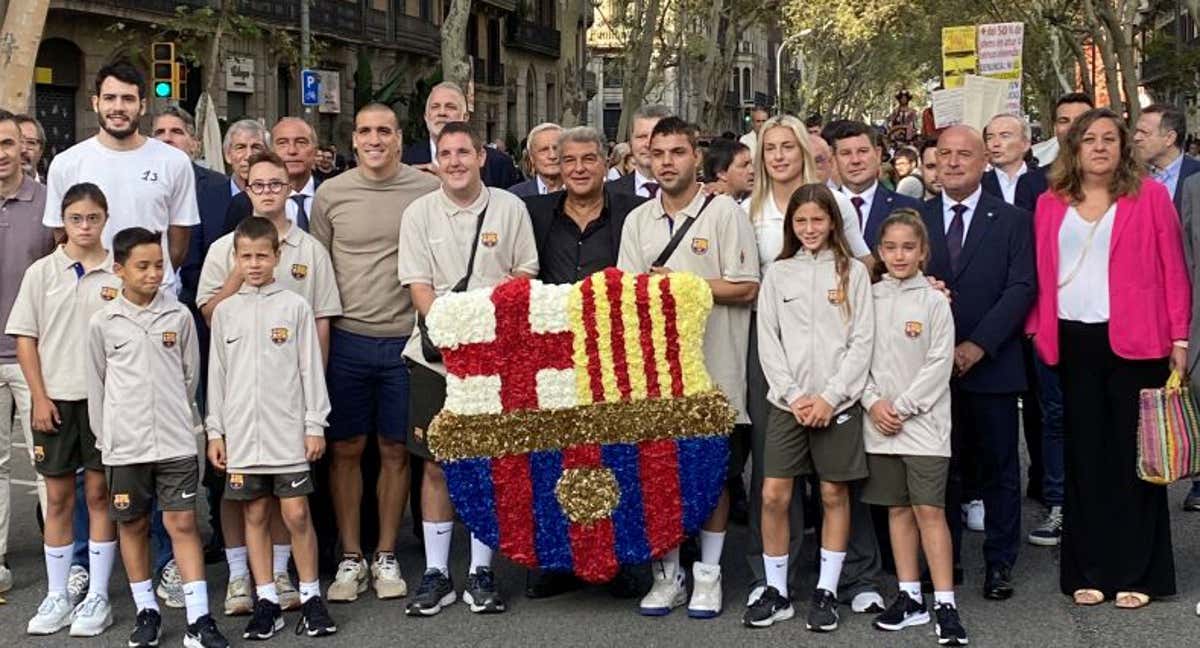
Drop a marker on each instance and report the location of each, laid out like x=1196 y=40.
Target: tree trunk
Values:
x=638 y=54
x=23 y=24
x=715 y=67
x=1081 y=60
x=455 y=66
x=1120 y=32
x=1102 y=40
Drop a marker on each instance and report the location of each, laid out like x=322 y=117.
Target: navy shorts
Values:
x=368 y=387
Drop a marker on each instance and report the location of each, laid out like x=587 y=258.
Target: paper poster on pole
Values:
x=999 y=52
x=947 y=107
x=983 y=98
x=958 y=54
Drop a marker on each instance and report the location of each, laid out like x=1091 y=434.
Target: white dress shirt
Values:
x=1008 y=186
x=868 y=197
x=308 y=192
x=233 y=188
x=639 y=184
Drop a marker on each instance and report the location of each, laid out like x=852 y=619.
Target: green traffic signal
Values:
x=162 y=90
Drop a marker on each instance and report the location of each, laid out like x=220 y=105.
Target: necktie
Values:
x=857 y=201
x=652 y=189
x=301 y=214
x=954 y=235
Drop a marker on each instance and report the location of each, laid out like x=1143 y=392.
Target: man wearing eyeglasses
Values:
x=33 y=145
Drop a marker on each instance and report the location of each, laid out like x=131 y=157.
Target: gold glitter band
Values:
x=587 y=494
x=453 y=436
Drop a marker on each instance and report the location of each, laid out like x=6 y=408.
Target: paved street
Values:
x=1036 y=616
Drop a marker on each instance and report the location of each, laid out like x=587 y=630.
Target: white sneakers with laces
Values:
x=91 y=617
x=389 y=582
x=706 y=591
x=350 y=581
x=667 y=593
x=53 y=615
x=237 y=596
x=289 y=596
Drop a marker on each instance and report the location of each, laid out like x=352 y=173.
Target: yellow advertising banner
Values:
x=958 y=54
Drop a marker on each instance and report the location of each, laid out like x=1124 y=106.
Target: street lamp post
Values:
x=779 y=67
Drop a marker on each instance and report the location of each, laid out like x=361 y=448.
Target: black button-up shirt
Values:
x=569 y=254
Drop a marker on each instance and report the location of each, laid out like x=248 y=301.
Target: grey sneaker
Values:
x=170 y=586
x=5 y=578
x=289 y=598
x=77 y=584
x=1049 y=532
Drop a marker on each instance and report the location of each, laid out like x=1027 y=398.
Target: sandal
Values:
x=1132 y=600
x=1088 y=597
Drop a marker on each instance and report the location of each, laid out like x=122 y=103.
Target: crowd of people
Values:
x=880 y=333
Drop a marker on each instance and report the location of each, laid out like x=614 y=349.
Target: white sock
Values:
x=58 y=567
x=100 y=565
x=282 y=554
x=437 y=545
x=711 y=544
x=195 y=598
x=309 y=591
x=945 y=597
x=267 y=593
x=236 y=557
x=777 y=573
x=481 y=554
x=143 y=595
x=670 y=563
x=831 y=570
x=913 y=590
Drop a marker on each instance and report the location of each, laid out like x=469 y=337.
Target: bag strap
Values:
x=461 y=286
x=679 y=234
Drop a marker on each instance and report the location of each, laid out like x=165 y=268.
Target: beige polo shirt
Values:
x=142 y=373
x=719 y=245
x=266 y=380
x=55 y=302
x=304 y=268
x=436 y=237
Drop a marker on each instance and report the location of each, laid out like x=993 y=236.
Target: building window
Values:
x=747 y=87
x=737 y=84
x=551 y=97
x=379 y=5
x=235 y=105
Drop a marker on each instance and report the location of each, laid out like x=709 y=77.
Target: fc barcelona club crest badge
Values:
x=279 y=335
x=912 y=329
x=121 y=501
x=169 y=338
x=108 y=293
x=299 y=271
x=699 y=246
x=39 y=453
x=489 y=239
x=236 y=482
x=834 y=296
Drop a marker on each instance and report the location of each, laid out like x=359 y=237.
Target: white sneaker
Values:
x=237 y=597
x=389 y=582
x=170 y=586
x=706 y=591
x=5 y=577
x=350 y=581
x=289 y=598
x=667 y=593
x=755 y=594
x=77 y=584
x=53 y=615
x=92 y=617
x=867 y=601
x=975 y=513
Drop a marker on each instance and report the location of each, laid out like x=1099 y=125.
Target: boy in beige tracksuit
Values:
x=267 y=409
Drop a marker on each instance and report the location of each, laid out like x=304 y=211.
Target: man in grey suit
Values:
x=1188 y=197
x=541 y=148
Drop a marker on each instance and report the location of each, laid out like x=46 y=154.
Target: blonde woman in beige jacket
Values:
x=907 y=429
x=815 y=329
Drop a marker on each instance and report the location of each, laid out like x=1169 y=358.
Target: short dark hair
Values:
x=906 y=152
x=928 y=143
x=1172 y=119
x=675 y=126
x=814 y=119
x=269 y=157
x=1074 y=97
x=462 y=128
x=829 y=129
x=376 y=106
x=256 y=228
x=84 y=191
x=122 y=71
x=719 y=156
x=131 y=237
x=846 y=129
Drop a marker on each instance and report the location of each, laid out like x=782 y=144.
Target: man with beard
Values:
x=148 y=183
x=33 y=145
x=447 y=103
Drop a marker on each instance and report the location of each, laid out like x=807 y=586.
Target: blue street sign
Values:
x=310 y=88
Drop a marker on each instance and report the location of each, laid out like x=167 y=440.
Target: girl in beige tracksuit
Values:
x=907 y=430
x=815 y=330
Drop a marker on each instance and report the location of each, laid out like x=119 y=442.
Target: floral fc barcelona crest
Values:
x=299 y=271
x=489 y=239
x=912 y=329
x=169 y=338
x=700 y=246
x=121 y=501
x=108 y=293
x=279 y=335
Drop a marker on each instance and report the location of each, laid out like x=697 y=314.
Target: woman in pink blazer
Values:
x=1112 y=314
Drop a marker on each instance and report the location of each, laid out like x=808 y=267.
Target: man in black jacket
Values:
x=447 y=103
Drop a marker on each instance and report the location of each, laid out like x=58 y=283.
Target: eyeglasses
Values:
x=260 y=188
x=90 y=219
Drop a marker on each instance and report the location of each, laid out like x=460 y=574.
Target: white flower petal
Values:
x=473 y=395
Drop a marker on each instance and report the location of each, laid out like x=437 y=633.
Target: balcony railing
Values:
x=416 y=35
x=376 y=23
x=155 y=6
x=340 y=17
x=280 y=11
x=532 y=37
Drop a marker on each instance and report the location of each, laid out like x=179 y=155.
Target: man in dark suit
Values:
x=541 y=149
x=1158 y=138
x=993 y=287
x=296 y=143
x=641 y=182
x=858 y=154
x=448 y=103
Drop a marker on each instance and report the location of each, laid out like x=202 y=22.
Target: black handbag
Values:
x=428 y=350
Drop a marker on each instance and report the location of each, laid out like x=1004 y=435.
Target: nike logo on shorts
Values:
x=296 y=484
x=843 y=417
x=187 y=495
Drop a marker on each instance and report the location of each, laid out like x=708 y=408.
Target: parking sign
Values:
x=310 y=88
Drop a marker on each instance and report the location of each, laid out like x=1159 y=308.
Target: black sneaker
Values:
x=315 y=620
x=769 y=607
x=950 y=631
x=436 y=592
x=267 y=620
x=822 y=613
x=481 y=593
x=146 y=630
x=204 y=634
x=905 y=611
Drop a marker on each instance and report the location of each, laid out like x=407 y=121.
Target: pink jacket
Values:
x=1150 y=294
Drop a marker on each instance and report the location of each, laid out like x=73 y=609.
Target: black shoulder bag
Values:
x=431 y=352
x=679 y=234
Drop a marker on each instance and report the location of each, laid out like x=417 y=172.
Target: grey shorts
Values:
x=906 y=480
x=426 y=396
x=133 y=489
x=243 y=487
x=70 y=447
x=833 y=453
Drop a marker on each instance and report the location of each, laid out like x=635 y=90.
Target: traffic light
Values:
x=163 y=67
x=180 y=82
